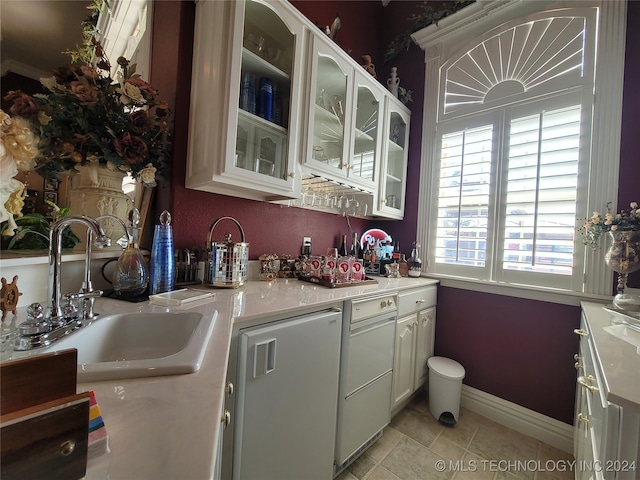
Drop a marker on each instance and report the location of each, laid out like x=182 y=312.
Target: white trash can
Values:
x=445 y=387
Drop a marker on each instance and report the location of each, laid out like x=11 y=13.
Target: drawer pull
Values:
x=420 y=301
x=583 y=418
x=67 y=448
x=584 y=382
x=577 y=357
x=578 y=366
x=581 y=331
x=229 y=389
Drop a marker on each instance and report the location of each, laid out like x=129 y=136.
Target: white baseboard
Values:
x=546 y=429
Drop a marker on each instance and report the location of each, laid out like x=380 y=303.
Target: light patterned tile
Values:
x=381 y=473
x=410 y=460
x=463 y=431
x=505 y=447
x=447 y=449
x=362 y=466
x=555 y=463
x=420 y=427
x=346 y=475
x=385 y=444
x=472 y=468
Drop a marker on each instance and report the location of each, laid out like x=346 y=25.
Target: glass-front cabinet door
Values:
x=246 y=93
x=393 y=178
x=330 y=110
x=365 y=139
x=265 y=87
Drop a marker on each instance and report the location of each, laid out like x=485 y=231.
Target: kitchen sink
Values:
x=135 y=345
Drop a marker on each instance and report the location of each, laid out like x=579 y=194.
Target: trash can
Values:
x=445 y=386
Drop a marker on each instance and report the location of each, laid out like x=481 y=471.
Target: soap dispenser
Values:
x=131 y=276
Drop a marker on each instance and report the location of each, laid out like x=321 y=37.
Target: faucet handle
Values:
x=69 y=310
x=36 y=322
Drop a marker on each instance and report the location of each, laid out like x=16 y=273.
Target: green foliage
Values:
x=33 y=231
x=425 y=17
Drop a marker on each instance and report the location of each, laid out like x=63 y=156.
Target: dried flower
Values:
x=597 y=225
x=88 y=116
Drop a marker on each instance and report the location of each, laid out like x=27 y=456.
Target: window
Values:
x=513 y=157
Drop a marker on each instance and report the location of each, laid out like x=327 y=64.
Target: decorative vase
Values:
x=393 y=82
x=96 y=190
x=624 y=258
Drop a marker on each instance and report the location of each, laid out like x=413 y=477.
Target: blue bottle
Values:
x=265 y=104
x=277 y=104
x=162 y=257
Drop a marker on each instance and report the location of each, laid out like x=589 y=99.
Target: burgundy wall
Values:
x=519 y=350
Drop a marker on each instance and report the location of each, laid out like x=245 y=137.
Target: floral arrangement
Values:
x=18 y=150
x=597 y=225
x=88 y=118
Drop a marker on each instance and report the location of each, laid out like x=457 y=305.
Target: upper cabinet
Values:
x=279 y=112
x=246 y=95
x=346 y=106
x=393 y=171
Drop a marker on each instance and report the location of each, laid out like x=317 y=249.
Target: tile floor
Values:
x=475 y=448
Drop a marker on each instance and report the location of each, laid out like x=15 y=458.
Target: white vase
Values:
x=96 y=191
x=393 y=82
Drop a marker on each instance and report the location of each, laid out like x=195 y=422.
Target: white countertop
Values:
x=167 y=427
x=617 y=349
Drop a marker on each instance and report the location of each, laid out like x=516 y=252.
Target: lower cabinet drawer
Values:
x=364 y=413
x=415 y=300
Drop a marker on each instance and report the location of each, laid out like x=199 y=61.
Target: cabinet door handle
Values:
x=581 y=331
x=229 y=389
x=420 y=301
x=577 y=357
x=226 y=418
x=583 y=418
x=578 y=366
x=584 y=382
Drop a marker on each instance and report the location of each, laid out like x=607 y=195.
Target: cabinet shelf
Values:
x=262 y=68
x=255 y=119
x=393 y=146
x=393 y=178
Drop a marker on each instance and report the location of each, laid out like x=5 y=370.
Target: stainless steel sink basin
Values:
x=139 y=345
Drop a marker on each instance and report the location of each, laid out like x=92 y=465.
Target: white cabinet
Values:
x=330 y=106
x=415 y=336
x=606 y=435
x=245 y=124
x=280 y=112
x=346 y=106
x=393 y=171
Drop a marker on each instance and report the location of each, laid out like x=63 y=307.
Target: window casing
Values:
x=508 y=148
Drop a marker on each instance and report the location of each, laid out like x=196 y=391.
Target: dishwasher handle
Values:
x=371 y=323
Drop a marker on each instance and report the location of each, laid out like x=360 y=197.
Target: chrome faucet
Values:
x=42 y=328
x=55 y=258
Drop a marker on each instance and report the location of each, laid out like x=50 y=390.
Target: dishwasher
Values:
x=364 y=404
